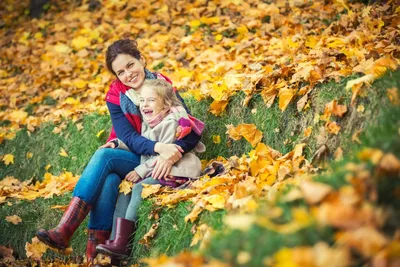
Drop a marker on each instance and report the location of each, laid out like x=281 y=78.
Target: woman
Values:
x=97 y=189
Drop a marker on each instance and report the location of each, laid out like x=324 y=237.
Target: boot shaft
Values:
x=95 y=237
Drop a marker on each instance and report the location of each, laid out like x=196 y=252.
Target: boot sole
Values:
x=111 y=253
x=49 y=242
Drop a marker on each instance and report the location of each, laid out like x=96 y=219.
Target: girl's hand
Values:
x=169 y=152
x=110 y=144
x=133 y=176
x=162 y=168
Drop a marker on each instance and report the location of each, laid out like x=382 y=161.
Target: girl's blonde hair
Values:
x=164 y=90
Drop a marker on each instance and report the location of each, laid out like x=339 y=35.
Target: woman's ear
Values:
x=142 y=60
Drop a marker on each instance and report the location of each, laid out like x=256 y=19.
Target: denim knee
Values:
x=101 y=216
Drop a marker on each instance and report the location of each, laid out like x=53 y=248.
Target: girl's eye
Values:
x=130 y=65
x=120 y=73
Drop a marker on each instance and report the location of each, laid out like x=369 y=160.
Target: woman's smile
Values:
x=129 y=70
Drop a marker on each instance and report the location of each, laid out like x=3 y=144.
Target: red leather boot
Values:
x=95 y=237
x=74 y=215
x=118 y=247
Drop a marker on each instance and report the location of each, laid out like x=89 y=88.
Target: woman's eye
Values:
x=130 y=65
x=120 y=73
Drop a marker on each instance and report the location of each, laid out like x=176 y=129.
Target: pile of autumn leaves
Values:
x=54 y=68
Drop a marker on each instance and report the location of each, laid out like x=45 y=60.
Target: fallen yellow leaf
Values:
x=8 y=158
x=63 y=153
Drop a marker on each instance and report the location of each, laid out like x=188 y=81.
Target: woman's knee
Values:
x=102 y=154
x=112 y=181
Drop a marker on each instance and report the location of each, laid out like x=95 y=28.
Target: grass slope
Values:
x=281 y=131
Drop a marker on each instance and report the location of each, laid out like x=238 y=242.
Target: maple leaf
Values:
x=202 y=233
x=149 y=235
x=314 y=192
x=248 y=131
x=125 y=187
x=198 y=208
x=6 y=256
x=100 y=133
x=148 y=190
x=63 y=153
x=8 y=158
x=216 y=139
x=240 y=221
x=333 y=127
x=393 y=95
x=308 y=131
x=14 y=219
x=36 y=249
x=285 y=96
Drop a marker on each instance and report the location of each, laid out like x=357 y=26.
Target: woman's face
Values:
x=129 y=70
x=151 y=104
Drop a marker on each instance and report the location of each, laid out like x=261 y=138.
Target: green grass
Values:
x=46 y=146
x=281 y=131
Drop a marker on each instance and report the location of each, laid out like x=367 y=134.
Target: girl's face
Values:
x=151 y=104
x=129 y=70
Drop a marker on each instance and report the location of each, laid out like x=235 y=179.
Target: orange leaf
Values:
x=333 y=127
x=285 y=96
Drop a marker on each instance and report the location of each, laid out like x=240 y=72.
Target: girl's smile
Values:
x=151 y=104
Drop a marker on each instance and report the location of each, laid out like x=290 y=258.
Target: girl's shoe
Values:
x=118 y=247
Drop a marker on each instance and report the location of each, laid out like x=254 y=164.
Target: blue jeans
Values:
x=99 y=183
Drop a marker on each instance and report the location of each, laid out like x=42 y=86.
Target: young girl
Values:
x=164 y=120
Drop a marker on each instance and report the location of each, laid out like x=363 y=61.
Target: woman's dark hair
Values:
x=124 y=46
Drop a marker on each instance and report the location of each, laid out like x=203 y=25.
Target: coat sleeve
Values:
x=166 y=134
x=128 y=134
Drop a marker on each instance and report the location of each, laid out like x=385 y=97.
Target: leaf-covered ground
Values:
x=300 y=100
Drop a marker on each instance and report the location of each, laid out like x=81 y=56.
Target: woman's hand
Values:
x=133 y=176
x=162 y=168
x=169 y=152
x=110 y=144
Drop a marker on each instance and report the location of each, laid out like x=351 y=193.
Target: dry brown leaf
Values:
x=314 y=192
x=14 y=219
x=149 y=235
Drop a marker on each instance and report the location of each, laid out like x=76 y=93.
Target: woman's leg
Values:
x=103 y=162
x=101 y=216
x=87 y=191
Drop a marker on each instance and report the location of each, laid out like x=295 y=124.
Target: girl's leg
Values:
x=136 y=199
x=87 y=191
x=125 y=227
x=120 y=210
x=101 y=216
